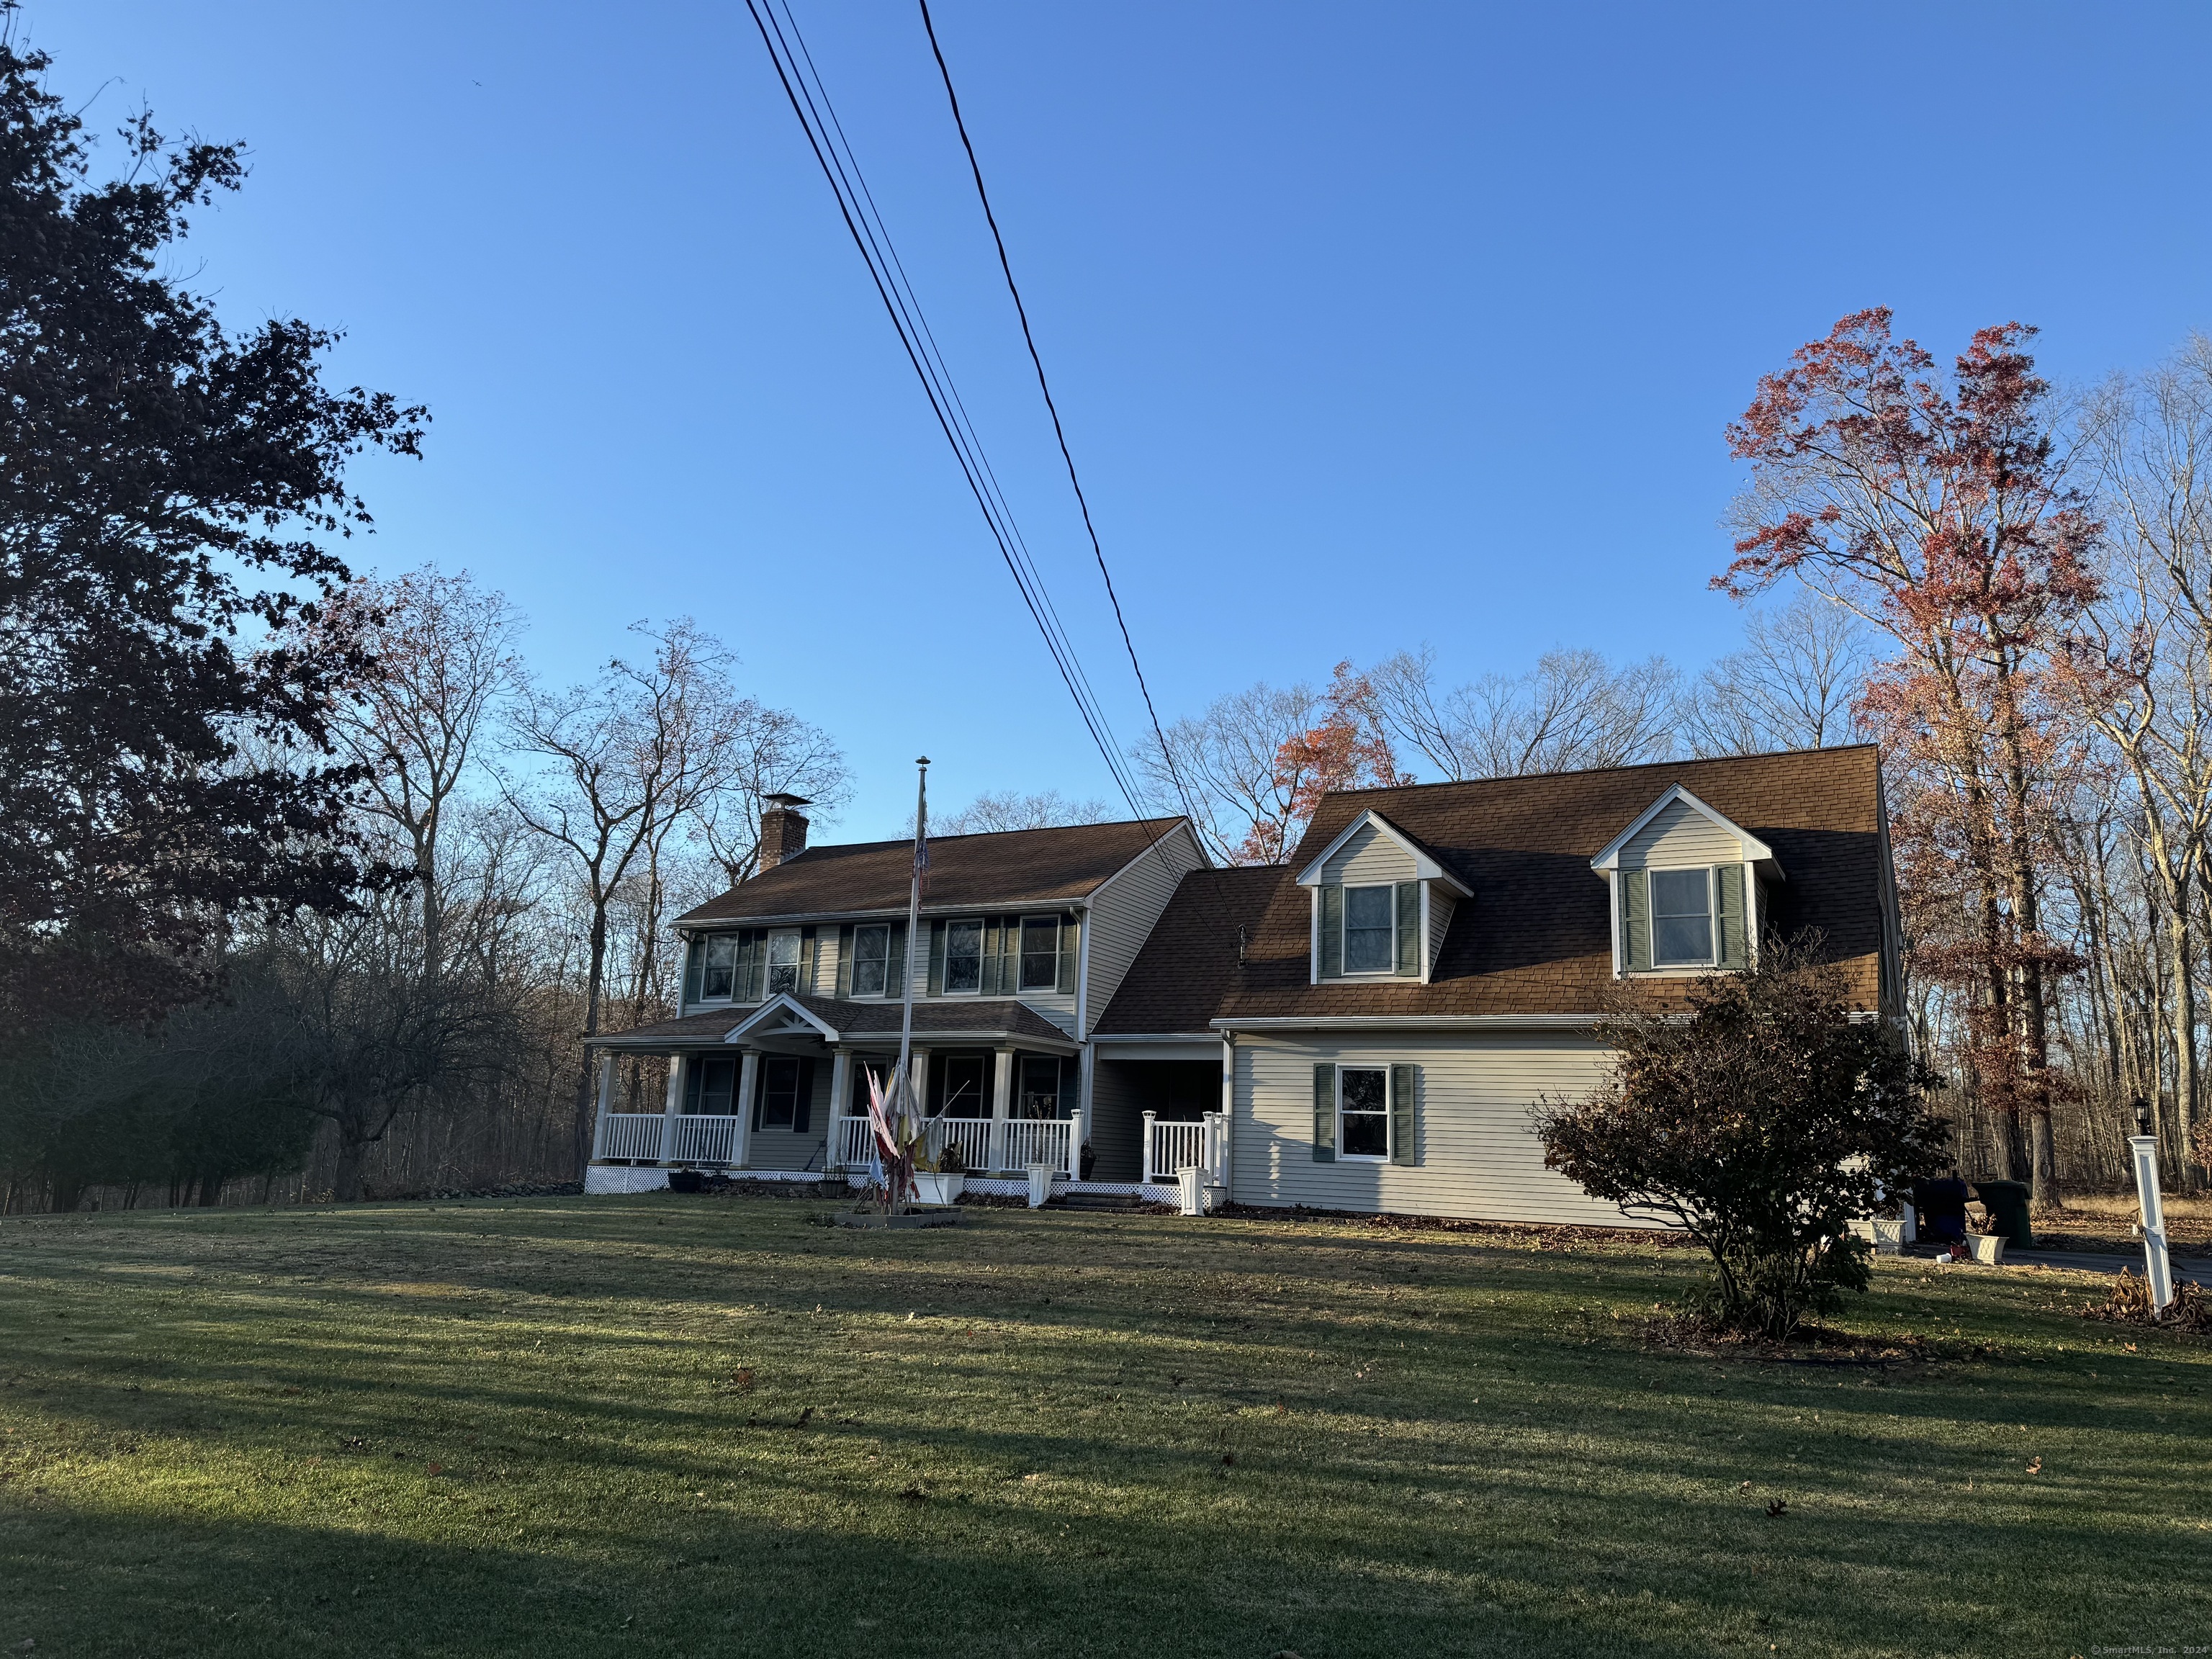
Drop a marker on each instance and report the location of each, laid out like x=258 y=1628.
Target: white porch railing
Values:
x=630 y=1134
x=1170 y=1145
x=986 y=1145
x=701 y=1139
x=668 y=1138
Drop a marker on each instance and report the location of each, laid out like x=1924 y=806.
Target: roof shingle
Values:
x=1536 y=938
x=1009 y=867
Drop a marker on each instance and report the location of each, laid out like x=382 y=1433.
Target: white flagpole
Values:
x=913 y=931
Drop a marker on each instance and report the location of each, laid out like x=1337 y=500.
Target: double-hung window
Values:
x=1040 y=1087
x=718 y=973
x=1681 y=918
x=783 y=960
x=1040 y=953
x=964 y=956
x=1363 y=1110
x=710 y=1086
x=965 y=1086
x=872 y=956
x=779 y=1087
x=1370 y=945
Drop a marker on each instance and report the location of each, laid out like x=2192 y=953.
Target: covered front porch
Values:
x=782 y=1091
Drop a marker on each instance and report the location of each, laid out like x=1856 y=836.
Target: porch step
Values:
x=1112 y=1201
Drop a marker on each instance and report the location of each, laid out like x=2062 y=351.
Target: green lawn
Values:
x=699 y=1426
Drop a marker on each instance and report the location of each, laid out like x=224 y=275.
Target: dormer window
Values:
x=1370 y=916
x=1681 y=918
x=1381 y=904
x=1685 y=889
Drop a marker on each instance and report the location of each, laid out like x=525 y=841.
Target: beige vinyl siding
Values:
x=1125 y=909
x=782 y=1149
x=1441 y=904
x=1478 y=1159
x=1680 y=837
x=1369 y=858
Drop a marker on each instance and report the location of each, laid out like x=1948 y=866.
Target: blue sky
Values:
x=1370 y=325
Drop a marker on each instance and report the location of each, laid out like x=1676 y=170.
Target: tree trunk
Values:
x=2181 y=969
x=587 y=1105
x=353 y=1151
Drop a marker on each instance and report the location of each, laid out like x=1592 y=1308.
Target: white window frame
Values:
x=769 y=963
x=706 y=966
x=1712 y=958
x=1021 y=953
x=1382 y=1157
x=884 y=928
x=1344 y=933
x=976 y=989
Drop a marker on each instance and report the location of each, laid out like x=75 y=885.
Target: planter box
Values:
x=938 y=1188
x=1988 y=1248
x=912 y=1219
x=1888 y=1237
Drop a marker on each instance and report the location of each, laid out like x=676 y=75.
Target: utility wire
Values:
x=810 y=102
x=1028 y=339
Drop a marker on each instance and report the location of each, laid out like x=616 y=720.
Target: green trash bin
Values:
x=2007 y=1203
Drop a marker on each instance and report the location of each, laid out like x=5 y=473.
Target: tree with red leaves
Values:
x=1939 y=510
x=1348 y=749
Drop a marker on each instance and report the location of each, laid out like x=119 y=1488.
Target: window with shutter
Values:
x=1040 y=946
x=1071 y=927
x=1409 y=930
x=1406 y=1115
x=963 y=956
x=1362 y=1112
x=1729 y=883
x=1332 y=931
x=1324 y=1122
x=871 y=954
x=695 y=962
x=1636 y=919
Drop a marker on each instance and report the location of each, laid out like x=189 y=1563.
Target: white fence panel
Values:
x=702 y=1140
x=630 y=1134
x=1049 y=1141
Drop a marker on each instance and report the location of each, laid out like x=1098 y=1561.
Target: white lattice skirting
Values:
x=618 y=1178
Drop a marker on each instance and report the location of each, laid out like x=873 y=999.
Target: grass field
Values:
x=700 y=1426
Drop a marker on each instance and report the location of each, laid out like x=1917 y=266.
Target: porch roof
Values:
x=996 y=1020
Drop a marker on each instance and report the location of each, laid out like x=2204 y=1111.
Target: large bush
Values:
x=1761 y=1122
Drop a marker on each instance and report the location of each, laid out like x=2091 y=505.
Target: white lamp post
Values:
x=2143 y=1149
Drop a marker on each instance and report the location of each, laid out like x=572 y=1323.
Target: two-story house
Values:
x=794 y=984
x=1366 y=1026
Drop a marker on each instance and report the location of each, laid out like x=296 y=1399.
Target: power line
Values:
x=818 y=118
x=1028 y=339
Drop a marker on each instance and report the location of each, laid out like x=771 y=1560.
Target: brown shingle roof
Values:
x=1188 y=963
x=1009 y=867
x=1535 y=939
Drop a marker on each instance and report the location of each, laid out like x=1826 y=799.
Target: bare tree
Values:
x=445 y=653
x=775 y=753
x=1573 y=710
x=619 y=764
x=1792 y=686
x=992 y=812
x=1228 y=760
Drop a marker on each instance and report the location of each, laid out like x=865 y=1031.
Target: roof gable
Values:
x=1425 y=865
x=1754 y=849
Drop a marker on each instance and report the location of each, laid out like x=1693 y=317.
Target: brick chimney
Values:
x=783 y=828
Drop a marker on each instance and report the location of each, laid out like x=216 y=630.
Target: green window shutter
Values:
x=695 y=962
x=1636 y=917
x=845 y=961
x=1730 y=886
x=802 y=1114
x=1324 y=1140
x=692 y=1071
x=1069 y=927
x=1409 y=930
x=1009 y=955
x=989 y=980
x=935 y=983
x=809 y=950
x=1405 y=1114
x=895 y=966
x=1332 y=933
x=750 y=949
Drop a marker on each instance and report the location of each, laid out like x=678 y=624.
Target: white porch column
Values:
x=748 y=1082
x=1002 y=1105
x=1146 y=1172
x=840 y=1092
x=917 y=1081
x=606 y=1099
x=672 y=1107
x=1082 y=1113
